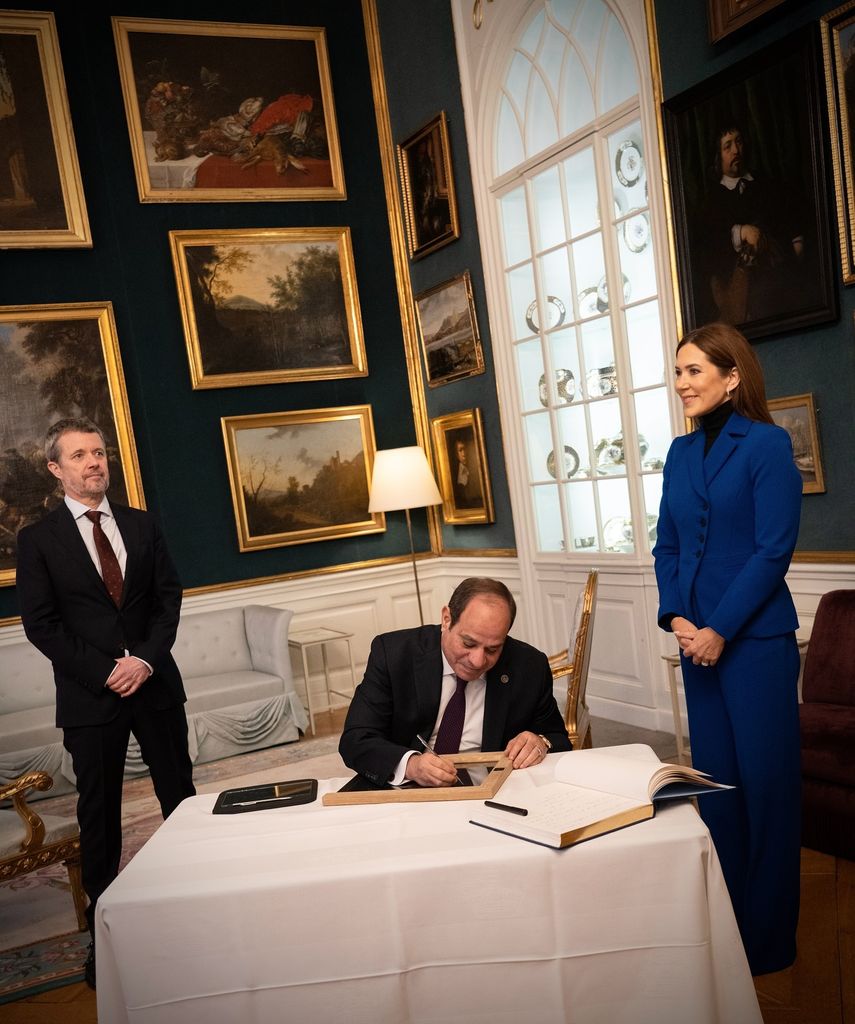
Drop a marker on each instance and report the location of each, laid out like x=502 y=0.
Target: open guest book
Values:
x=596 y=791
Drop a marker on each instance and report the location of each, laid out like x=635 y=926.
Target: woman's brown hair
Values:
x=727 y=349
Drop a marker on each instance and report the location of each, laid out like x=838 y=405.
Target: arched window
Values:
x=570 y=176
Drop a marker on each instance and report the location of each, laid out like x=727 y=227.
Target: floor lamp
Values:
x=402 y=480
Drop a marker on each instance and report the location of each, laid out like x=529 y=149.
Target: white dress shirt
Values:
x=111 y=531
x=473 y=721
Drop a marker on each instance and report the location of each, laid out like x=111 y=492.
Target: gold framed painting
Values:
x=448 y=329
x=838 y=48
x=304 y=476
x=726 y=16
x=228 y=112
x=268 y=305
x=42 y=205
x=427 y=184
x=797 y=415
x=58 y=361
x=464 y=478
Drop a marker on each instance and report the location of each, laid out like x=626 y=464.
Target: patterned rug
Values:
x=40 y=947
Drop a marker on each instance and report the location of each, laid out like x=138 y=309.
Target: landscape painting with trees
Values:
x=301 y=476
x=268 y=306
x=57 y=361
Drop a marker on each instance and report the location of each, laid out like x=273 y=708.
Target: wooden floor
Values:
x=818 y=989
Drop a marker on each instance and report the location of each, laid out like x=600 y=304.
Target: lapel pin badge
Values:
x=504 y=679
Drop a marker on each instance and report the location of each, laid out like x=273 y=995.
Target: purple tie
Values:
x=451 y=727
x=111 y=571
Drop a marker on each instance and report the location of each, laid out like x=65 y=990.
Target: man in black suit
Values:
x=106 y=618
x=413 y=675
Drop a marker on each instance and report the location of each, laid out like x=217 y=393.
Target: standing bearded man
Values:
x=100 y=597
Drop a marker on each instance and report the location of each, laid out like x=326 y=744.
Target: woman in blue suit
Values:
x=727 y=527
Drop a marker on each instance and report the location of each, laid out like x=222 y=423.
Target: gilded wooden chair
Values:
x=29 y=841
x=571 y=665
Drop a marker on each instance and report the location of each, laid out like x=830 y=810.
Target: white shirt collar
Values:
x=731 y=183
x=78 y=509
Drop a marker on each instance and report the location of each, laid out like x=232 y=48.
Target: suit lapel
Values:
x=497 y=700
x=71 y=544
x=725 y=445
x=427 y=672
x=695 y=458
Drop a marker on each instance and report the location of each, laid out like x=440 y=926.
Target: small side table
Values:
x=673 y=661
x=304 y=639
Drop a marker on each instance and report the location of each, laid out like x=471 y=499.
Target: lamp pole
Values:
x=415 y=570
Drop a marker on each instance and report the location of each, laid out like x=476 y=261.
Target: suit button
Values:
x=701 y=538
x=703 y=520
x=705 y=506
x=698 y=554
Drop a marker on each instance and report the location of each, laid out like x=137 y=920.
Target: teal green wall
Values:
x=177 y=430
x=422 y=79
x=819 y=359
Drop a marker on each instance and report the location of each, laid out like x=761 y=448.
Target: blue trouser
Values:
x=744 y=730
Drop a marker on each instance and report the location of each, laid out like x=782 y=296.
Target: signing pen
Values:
x=505 y=807
x=430 y=750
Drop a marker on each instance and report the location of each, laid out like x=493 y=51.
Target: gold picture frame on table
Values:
x=299 y=477
x=42 y=205
x=268 y=305
x=228 y=112
x=464 y=477
x=797 y=415
x=57 y=354
x=427 y=185
x=498 y=767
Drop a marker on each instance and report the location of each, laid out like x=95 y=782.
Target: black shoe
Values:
x=89 y=966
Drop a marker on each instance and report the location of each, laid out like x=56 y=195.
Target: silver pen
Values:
x=430 y=750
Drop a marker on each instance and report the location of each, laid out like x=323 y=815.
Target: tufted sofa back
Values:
x=212 y=642
x=27 y=678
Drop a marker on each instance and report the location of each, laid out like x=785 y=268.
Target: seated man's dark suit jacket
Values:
x=400 y=693
x=71 y=618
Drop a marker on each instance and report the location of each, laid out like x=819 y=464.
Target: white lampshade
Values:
x=402 y=479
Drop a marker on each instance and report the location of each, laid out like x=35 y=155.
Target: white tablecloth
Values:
x=408 y=913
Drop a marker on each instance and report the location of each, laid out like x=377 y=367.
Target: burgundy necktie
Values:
x=111 y=571
x=451 y=727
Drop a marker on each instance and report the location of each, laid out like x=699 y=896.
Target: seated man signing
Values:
x=463 y=685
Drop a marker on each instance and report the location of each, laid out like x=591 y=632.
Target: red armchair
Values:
x=827 y=717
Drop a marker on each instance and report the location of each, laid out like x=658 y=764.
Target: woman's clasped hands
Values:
x=703 y=646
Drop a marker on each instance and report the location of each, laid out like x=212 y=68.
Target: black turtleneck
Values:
x=713 y=423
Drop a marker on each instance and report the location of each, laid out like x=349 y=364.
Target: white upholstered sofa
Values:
x=237 y=674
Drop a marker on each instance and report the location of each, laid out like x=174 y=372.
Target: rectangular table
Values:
x=409 y=913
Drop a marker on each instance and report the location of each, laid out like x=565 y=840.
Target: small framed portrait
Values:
x=268 y=305
x=58 y=360
x=748 y=190
x=464 y=478
x=797 y=415
x=41 y=195
x=228 y=112
x=302 y=476
x=427 y=184
x=448 y=329
x=838 y=45
x=726 y=16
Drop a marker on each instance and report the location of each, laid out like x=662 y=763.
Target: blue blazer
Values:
x=727 y=528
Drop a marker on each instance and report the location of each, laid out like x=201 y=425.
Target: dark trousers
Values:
x=744 y=730
x=98 y=755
